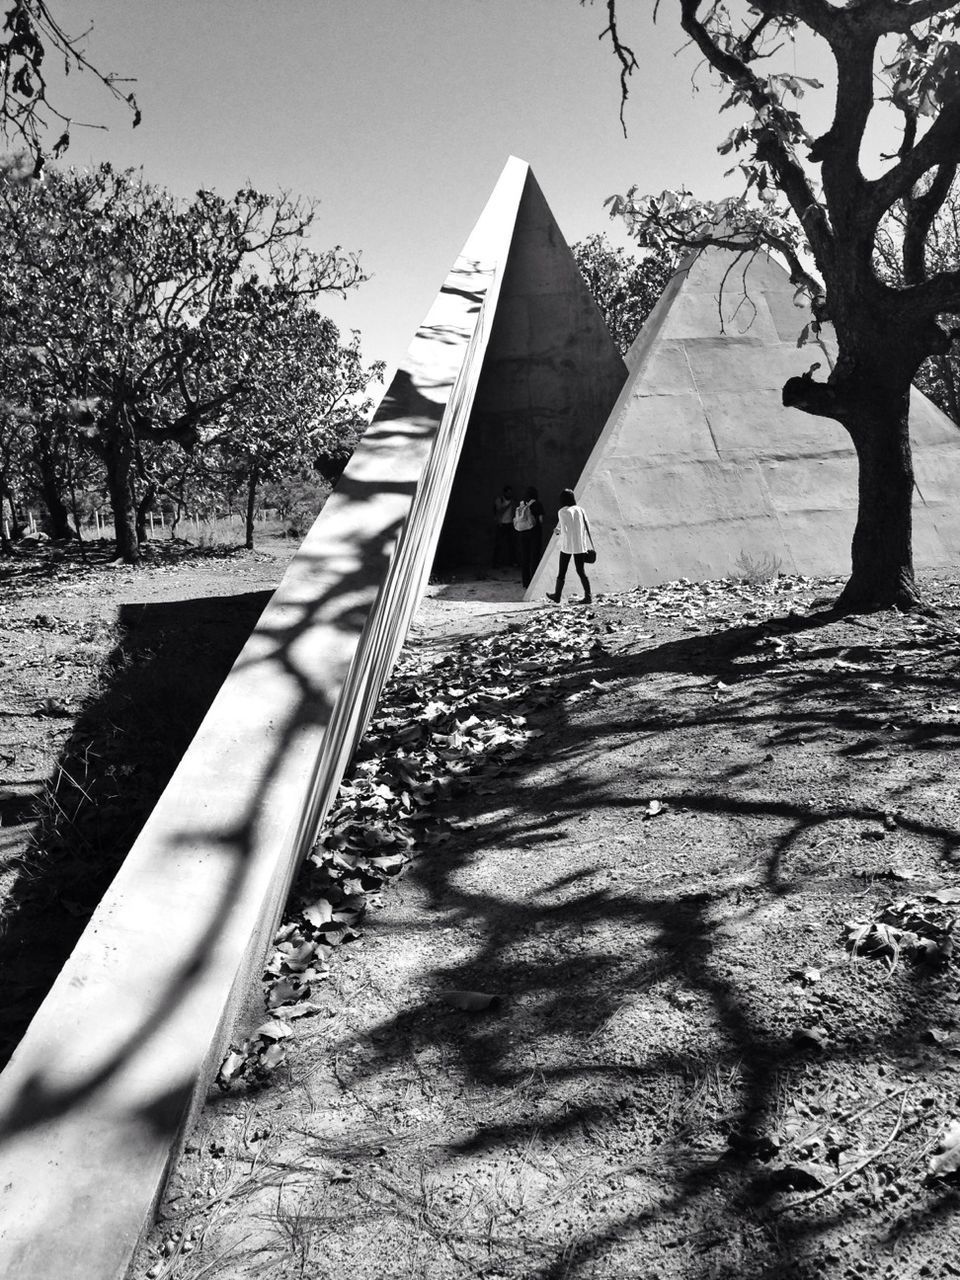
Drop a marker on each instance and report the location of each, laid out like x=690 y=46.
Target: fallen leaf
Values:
x=272 y=1057
x=810 y=1038
x=274 y=1030
x=939 y=1035
x=318 y=913
x=470 y=1001
x=230 y=1068
x=943 y=895
x=653 y=808
x=948 y=1158
x=284 y=991
x=303 y=1009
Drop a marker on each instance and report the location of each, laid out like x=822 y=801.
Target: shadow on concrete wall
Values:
x=170 y=660
x=343 y=604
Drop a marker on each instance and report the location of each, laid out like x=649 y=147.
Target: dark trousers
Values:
x=529 y=540
x=578 y=562
x=504 y=545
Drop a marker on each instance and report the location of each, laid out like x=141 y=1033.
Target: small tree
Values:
x=299 y=397
x=625 y=288
x=815 y=199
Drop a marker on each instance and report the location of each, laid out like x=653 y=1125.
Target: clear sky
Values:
x=398 y=115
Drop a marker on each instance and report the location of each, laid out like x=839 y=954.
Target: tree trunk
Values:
x=6 y=502
x=75 y=506
x=882 y=551
x=50 y=487
x=144 y=507
x=120 y=458
x=252 y=479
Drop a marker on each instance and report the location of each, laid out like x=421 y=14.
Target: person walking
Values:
x=575 y=540
x=528 y=523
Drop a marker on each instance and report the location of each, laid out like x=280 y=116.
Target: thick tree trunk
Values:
x=252 y=480
x=120 y=459
x=882 y=551
x=50 y=488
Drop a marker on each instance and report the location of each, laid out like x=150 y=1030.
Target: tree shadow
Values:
x=332 y=584
x=570 y=954
x=169 y=662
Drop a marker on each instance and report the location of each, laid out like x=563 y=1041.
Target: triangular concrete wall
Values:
x=700 y=465
x=550 y=376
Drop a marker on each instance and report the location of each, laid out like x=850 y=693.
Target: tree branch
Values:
x=625 y=56
x=920 y=214
x=940 y=145
x=771 y=148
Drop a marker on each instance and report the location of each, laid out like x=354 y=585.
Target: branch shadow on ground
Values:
x=605 y=1094
x=341 y=598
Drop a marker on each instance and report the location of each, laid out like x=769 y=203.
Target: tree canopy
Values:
x=625 y=288
x=808 y=195
x=136 y=324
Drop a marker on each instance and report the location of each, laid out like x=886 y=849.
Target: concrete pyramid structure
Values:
x=513 y=366
x=549 y=376
x=700 y=465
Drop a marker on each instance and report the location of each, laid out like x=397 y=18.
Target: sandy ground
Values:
x=665 y=987
x=630 y=946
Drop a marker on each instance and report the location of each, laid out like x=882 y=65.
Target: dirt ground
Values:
x=105 y=674
x=627 y=952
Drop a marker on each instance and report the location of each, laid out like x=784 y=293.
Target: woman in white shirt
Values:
x=575 y=541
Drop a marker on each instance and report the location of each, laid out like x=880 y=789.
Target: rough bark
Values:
x=50 y=489
x=252 y=481
x=882 y=551
x=144 y=507
x=120 y=459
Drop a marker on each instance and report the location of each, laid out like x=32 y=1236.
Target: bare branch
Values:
x=625 y=56
x=921 y=210
x=940 y=145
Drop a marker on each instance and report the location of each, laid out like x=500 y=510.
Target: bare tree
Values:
x=818 y=206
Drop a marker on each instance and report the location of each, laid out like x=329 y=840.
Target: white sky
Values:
x=399 y=115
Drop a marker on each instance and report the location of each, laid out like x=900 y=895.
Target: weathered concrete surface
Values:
x=700 y=464
x=94 y=1102
x=550 y=377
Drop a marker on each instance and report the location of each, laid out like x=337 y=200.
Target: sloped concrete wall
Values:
x=97 y=1097
x=550 y=378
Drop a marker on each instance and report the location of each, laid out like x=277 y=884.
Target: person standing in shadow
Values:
x=528 y=524
x=504 y=551
x=575 y=540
